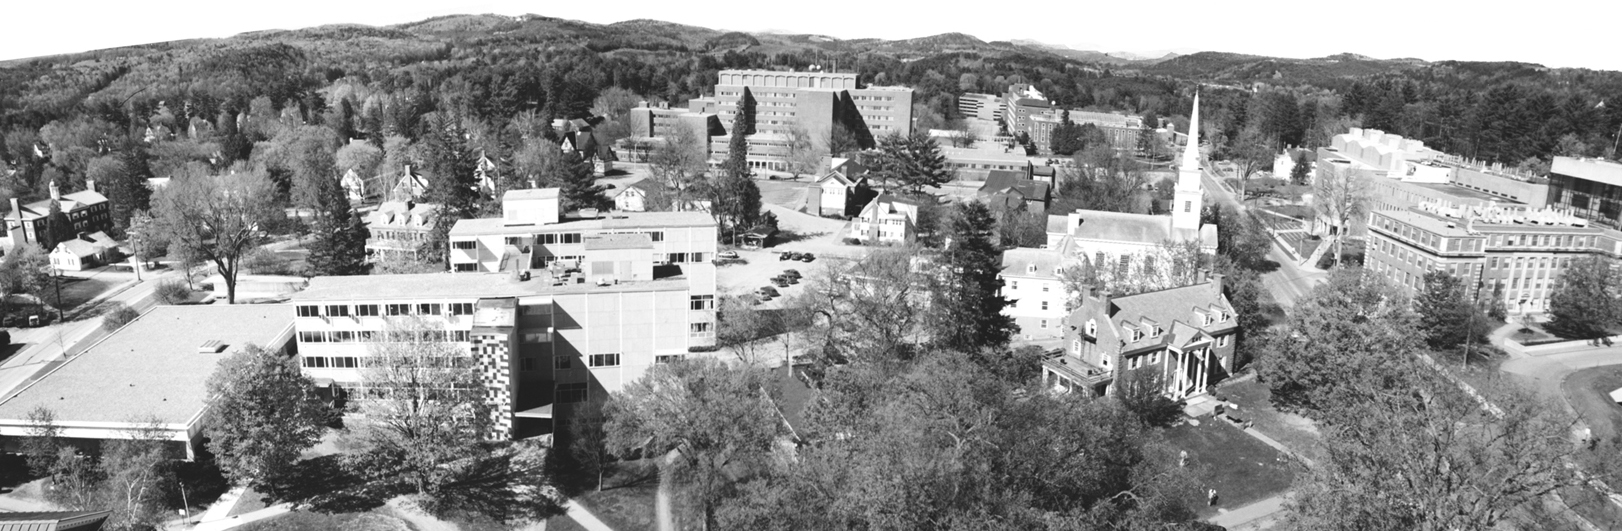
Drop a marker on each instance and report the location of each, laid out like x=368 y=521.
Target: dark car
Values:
x=791 y=273
x=789 y=255
x=807 y=257
x=767 y=291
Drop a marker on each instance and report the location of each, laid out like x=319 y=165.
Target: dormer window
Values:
x=1030 y=268
x=1092 y=328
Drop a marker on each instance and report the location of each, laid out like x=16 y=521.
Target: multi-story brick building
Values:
x=979 y=106
x=88 y=210
x=1122 y=130
x=1019 y=103
x=1182 y=336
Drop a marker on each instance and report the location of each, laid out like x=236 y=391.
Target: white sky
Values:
x=1556 y=33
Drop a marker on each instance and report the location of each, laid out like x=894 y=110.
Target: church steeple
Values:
x=1189 y=196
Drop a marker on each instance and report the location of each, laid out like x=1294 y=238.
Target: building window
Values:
x=699 y=328
x=461 y=308
x=1044 y=321
x=1044 y=305
x=571 y=393
x=1188 y=206
x=315 y=362
x=667 y=358
x=466 y=268
x=537 y=337
x=312 y=337
x=1154 y=357
x=465 y=244
x=430 y=308
x=1013 y=284
x=366 y=310
x=561 y=362
x=1222 y=341
x=338 y=310
x=526 y=364
x=397 y=309
x=701 y=302
x=604 y=360
x=460 y=336
x=309 y=311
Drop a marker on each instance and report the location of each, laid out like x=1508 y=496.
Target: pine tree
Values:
x=1444 y=311
x=969 y=306
x=448 y=166
x=339 y=247
x=735 y=199
x=578 y=183
x=1300 y=173
x=1584 y=304
x=745 y=119
x=58 y=228
x=1066 y=138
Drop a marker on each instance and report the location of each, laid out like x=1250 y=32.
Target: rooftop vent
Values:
x=212 y=346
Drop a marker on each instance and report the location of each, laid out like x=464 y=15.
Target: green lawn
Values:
x=564 y=523
x=1295 y=432
x=627 y=499
x=1243 y=470
x=75 y=291
x=305 y=521
x=249 y=502
x=1589 y=393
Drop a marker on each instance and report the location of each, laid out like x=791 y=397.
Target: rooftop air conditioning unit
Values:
x=212 y=346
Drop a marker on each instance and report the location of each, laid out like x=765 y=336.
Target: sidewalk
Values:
x=1259 y=515
x=583 y=517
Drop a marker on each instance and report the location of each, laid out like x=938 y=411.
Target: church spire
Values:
x=1191 y=152
x=1188 y=197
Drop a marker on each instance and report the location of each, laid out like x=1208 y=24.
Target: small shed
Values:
x=1616 y=396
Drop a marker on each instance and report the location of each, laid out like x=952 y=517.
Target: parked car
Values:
x=806 y=257
x=791 y=273
x=727 y=254
x=767 y=291
x=789 y=255
x=780 y=282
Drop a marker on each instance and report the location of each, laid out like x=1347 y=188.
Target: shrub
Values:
x=172 y=292
x=118 y=316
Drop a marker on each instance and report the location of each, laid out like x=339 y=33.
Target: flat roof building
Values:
x=812 y=100
x=153 y=370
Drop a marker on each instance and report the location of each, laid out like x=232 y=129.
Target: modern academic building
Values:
x=784 y=99
x=1512 y=252
x=551 y=310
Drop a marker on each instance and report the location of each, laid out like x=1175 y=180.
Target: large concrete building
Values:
x=153 y=372
x=979 y=106
x=533 y=233
x=810 y=100
x=1019 y=103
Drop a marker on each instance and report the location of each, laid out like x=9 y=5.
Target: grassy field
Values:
x=1241 y=469
x=1589 y=393
x=627 y=499
x=76 y=291
x=1295 y=432
x=303 y=521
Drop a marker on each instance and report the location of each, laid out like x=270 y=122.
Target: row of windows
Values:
x=371 y=310
x=367 y=362
x=382 y=336
x=401 y=235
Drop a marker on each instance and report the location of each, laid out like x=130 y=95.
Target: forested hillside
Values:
x=208 y=105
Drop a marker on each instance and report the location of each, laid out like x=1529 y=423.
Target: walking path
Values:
x=1260 y=515
x=583 y=517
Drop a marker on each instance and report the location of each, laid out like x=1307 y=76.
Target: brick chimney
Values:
x=56 y=193
x=90 y=184
x=1216 y=284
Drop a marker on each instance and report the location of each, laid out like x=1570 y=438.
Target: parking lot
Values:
x=798 y=232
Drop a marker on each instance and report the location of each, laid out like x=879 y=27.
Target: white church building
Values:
x=1117 y=240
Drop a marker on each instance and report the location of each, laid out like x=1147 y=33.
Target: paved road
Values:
x=1546 y=372
x=1290 y=281
x=45 y=345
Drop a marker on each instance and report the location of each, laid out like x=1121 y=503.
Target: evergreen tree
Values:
x=968 y=309
x=1444 y=311
x=1584 y=302
x=58 y=228
x=578 y=183
x=735 y=199
x=448 y=166
x=745 y=119
x=1301 y=172
x=911 y=162
x=339 y=247
x=1065 y=139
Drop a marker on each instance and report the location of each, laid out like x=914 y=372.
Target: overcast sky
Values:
x=1558 y=33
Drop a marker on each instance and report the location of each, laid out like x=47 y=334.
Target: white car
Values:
x=727 y=254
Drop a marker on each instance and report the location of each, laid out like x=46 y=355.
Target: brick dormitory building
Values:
x=1506 y=251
